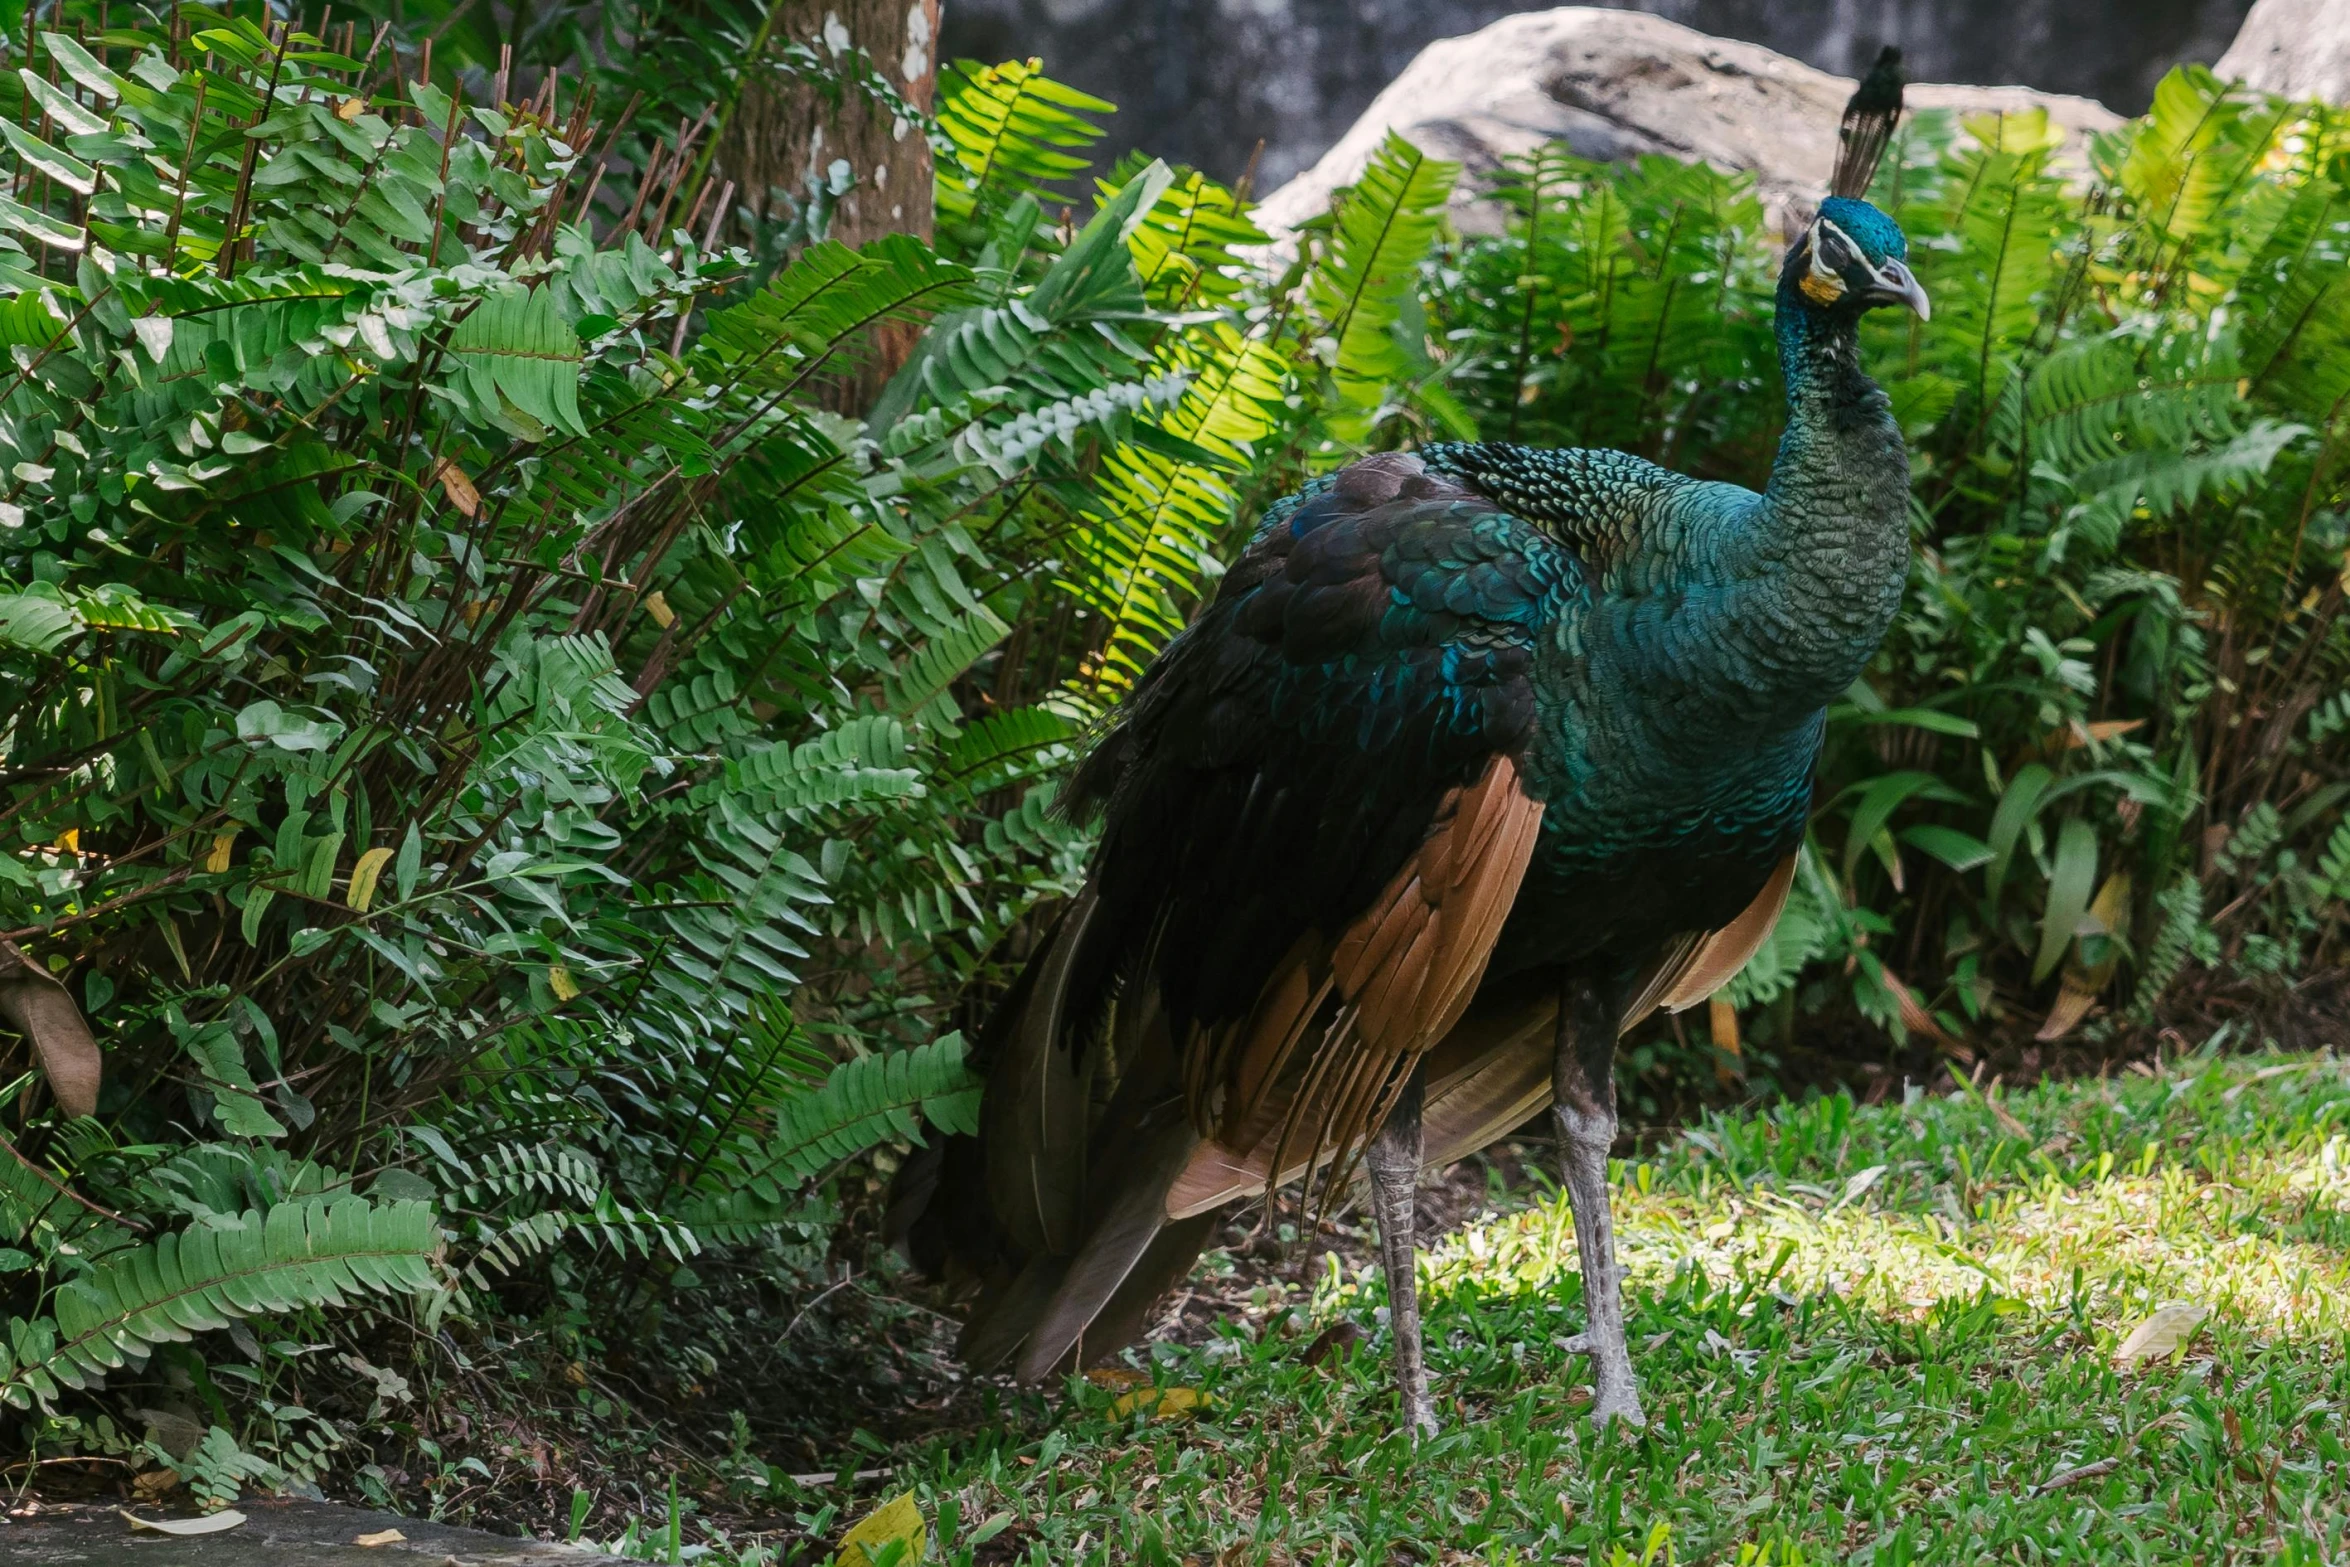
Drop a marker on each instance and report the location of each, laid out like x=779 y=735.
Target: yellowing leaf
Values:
x=897 y=1521
x=1164 y=1403
x=222 y=842
x=2172 y=1326
x=658 y=607
x=363 y=878
x=2109 y=912
x=380 y=1537
x=559 y=980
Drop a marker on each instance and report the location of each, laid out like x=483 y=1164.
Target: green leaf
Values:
x=36 y=621
x=409 y=864
x=1384 y=225
x=516 y=346
x=943 y=659
x=1960 y=851
x=288 y=730
x=862 y=1103
x=1928 y=718
x=2069 y=885
x=1013 y=131
x=2018 y=804
x=1878 y=802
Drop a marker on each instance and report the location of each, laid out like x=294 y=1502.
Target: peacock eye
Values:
x=1833 y=250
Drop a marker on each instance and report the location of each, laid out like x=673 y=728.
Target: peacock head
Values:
x=1852 y=258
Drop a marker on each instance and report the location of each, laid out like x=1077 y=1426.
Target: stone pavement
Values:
x=274 y=1534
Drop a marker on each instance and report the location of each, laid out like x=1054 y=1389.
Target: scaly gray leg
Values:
x=1394 y=1160
x=1584 y=1092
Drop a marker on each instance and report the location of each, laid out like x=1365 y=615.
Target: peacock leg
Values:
x=1394 y=1160
x=1584 y=1100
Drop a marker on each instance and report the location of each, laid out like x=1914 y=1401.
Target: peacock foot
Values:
x=1617 y=1404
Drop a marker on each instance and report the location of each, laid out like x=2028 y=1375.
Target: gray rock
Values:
x=275 y=1534
x=1203 y=81
x=2297 y=47
x=1614 y=85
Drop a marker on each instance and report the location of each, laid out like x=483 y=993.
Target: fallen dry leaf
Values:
x=210 y=1523
x=2171 y=1326
x=1119 y=1377
x=380 y=1537
x=36 y=1004
x=2073 y=1476
x=150 y=1485
x=1339 y=1339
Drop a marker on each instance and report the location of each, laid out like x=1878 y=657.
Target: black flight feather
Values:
x=1869 y=118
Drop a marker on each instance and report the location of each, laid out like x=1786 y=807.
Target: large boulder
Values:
x=2297 y=47
x=1614 y=85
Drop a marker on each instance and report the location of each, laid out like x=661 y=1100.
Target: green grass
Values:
x=1865 y=1335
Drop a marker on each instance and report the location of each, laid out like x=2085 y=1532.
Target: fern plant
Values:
x=506 y=780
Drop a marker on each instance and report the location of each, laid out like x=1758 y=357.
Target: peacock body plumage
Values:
x=1478 y=754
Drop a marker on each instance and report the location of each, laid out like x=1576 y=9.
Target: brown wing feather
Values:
x=1724 y=952
x=1401 y=975
x=1494 y=1070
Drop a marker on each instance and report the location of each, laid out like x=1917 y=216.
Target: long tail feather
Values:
x=1034 y=1111
x=1116 y=1245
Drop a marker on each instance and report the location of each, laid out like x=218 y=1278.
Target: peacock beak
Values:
x=1897 y=285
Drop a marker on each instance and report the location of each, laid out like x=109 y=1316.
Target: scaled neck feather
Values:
x=1830 y=544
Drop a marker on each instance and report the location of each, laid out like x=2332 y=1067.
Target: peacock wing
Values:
x=1315 y=823
x=1396 y=980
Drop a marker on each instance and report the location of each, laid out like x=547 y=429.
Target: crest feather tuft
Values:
x=1869 y=118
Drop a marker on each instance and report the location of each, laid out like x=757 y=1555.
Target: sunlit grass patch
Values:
x=2256 y=1230
x=1874 y=1335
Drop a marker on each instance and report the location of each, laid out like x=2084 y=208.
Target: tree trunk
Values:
x=785 y=133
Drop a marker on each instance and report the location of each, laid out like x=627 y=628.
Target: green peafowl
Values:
x=1479 y=756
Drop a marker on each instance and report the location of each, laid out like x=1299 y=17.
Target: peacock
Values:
x=1479 y=755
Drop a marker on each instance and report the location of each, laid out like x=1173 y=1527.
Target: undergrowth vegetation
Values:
x=518 y=763
x=504 y=778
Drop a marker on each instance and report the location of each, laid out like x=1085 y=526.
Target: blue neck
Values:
x=1828 y=548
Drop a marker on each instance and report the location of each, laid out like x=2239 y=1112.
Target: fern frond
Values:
x=2181 y=907
x=865 y=1102
x=296 y=1255
x=939 y=662
x=1014 y=132
x=1381 y=231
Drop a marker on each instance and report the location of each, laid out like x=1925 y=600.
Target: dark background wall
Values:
x=1201 y=81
